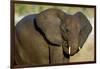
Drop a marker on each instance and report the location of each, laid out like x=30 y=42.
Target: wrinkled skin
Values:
x=47 y=37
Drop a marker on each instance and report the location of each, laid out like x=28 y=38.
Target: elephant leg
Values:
x=56 y=54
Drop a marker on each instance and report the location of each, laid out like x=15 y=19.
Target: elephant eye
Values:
x=66 y=30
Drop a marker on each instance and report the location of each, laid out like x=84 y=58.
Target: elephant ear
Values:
x=49 y=25
x=85 y=28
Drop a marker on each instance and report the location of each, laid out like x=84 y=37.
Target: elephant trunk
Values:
x=73 y=48
x=70 y=48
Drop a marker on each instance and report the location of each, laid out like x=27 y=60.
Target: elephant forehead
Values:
x=72 y=22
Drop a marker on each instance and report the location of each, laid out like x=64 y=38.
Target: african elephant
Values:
x=50 y=37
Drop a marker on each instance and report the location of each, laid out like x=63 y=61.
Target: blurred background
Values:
x=87 y=52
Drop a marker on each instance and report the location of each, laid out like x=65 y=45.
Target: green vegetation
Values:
x=25 y=9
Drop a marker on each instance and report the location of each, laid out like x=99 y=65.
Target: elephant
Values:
x=50 y=37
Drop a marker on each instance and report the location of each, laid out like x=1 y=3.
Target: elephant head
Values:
x=70 y=31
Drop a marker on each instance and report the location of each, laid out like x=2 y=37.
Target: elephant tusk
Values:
x=69 y=50
x=79 y=48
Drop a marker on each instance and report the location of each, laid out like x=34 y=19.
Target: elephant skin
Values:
x=50 y=37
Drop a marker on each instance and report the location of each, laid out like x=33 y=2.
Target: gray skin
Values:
x=45 y=38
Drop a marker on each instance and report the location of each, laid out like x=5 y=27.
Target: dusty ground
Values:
x=87 y=52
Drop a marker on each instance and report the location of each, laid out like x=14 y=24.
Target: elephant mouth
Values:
x=67 y=49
